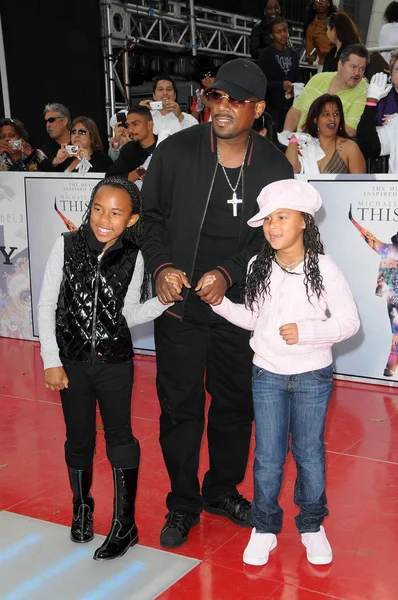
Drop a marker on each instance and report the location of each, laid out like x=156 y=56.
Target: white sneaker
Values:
x=318 y=548
x=258 y=549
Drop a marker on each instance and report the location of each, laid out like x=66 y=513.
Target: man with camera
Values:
x=135 y=155
x=58 y=122
x=166 y=112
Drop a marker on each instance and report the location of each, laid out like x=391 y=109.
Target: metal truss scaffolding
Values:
x=169 y=25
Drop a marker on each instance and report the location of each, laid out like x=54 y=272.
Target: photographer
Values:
x=166 y=112
x=85 y=153
x=16 y=154
x=135 y=156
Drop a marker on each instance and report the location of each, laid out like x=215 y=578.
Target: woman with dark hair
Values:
x=85 y=152
x=325 y=123
x=16 y=154
x=89 y=299
x=341 y=31
x=388 y=35
x=315 y=24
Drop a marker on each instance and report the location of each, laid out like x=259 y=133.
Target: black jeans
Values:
x=203 y=344
x=111 y=385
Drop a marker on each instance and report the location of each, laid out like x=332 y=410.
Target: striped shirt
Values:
x=353 y=99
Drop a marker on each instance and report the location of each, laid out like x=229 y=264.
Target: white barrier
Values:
x=374 y=200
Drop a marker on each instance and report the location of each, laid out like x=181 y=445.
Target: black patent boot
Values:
x=83 y=505
x=123 y=533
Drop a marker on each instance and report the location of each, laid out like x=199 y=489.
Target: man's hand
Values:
x=287 y=86
x=120 y=134
x=289 y=333
x=55 y=379
x=26 y=148
x=146 y=102
x=133 y=176
x=172 y=107
x=211 y=293
x=5 y=147
x=61 y=156
x=169 y=284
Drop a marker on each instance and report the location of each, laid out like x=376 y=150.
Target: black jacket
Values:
x=367 y=138
x=259 y=38
x=90 y=326
x=131 y=156
x=330 y=62
x=176 y=192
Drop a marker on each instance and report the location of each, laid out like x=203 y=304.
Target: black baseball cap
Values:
x=241 y=79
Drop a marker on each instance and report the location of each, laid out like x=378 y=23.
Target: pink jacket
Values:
x=288 y=303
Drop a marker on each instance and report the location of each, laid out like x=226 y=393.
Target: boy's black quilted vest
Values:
x=90 y=326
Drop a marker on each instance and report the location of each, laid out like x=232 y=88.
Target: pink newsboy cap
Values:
x=288 y=193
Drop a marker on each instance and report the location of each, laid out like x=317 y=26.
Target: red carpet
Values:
x=362 y=487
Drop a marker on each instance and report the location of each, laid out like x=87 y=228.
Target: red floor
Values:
x=362 y=469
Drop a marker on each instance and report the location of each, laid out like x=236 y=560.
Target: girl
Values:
x=290 y=288
x=280 y=65
x=89 y=298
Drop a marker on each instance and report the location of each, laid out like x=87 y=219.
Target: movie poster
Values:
x=15 y=303
x=359 y=228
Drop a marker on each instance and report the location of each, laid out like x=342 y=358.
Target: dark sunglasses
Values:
x=79 y=131
x=216 y=98
x=207 y=74
x=52 y=119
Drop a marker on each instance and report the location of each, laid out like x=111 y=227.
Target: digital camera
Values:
x=72 y=149
x=15 y=144
x=156 y=105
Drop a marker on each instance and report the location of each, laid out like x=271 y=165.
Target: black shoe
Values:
x=235 y=507
x=83 y=505
x=175 y=532
x=123 y=533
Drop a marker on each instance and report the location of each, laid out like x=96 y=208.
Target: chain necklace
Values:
x=234 y=200
x=291 y=266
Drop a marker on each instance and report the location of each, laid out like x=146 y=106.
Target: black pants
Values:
x=203 y=343
x=111 y=385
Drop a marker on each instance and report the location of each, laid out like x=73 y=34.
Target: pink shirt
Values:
x=288 y=303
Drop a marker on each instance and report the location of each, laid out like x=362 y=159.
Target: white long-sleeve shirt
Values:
x=288 y=303
x=165 y=125
x=134 y=312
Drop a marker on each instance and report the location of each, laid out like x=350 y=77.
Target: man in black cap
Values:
x=199 y=192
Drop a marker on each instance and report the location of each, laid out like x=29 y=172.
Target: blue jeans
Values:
x=295 y=405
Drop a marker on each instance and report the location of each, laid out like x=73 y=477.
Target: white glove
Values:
x=199 y=104
x=378 y=87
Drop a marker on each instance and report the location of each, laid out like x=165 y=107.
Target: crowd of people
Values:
x=213 y=214
x=337 y=96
